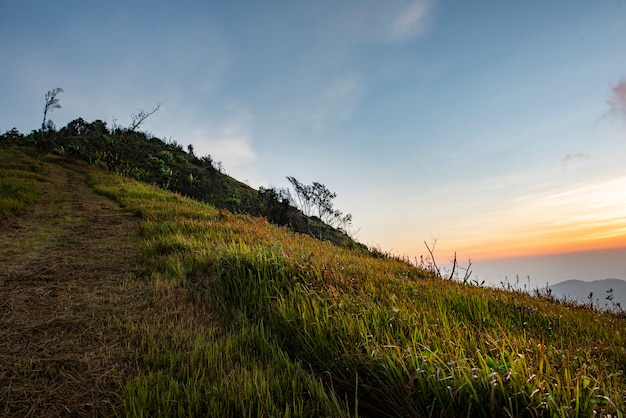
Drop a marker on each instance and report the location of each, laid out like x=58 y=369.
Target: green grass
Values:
x=259 y=321
x=19 y=178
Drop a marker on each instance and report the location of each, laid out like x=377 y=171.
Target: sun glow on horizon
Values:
x=586 y=217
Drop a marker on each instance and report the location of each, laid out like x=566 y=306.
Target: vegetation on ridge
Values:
x=141 y=156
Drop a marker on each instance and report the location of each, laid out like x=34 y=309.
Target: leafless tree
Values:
x=455 y=265
x=140 y=117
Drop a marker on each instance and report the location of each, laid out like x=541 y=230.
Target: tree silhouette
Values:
x=317 y=197
x=138 y=118
x=303 y=194
x=52 y=102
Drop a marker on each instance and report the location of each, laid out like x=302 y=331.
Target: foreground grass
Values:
x=264 y=322
x=70 y=301
x=19 y=182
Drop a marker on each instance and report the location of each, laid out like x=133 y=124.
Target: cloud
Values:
x=229 y=143
x=411 y=21
x=234 y=148
x=581 y=156
x=617 y=101
x=336 y=102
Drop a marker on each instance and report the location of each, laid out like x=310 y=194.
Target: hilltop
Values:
x=227 y=314
x=166 y=164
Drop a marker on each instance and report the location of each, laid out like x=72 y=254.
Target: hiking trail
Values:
x=71 y=300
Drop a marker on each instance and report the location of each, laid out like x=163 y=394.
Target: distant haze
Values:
x=537 y=271
x=596 y=291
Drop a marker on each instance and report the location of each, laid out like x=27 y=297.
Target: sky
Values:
x=496 y=130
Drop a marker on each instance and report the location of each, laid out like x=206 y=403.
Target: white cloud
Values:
x=229 y=143
x=233 y=147
x=411 y=21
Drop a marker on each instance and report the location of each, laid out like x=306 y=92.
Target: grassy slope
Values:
x=306 y=328
x=19 y=180
x=249 y=319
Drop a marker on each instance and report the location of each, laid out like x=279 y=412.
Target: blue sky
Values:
x=496 y=128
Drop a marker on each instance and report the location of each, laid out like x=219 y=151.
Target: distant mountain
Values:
x=580 y=291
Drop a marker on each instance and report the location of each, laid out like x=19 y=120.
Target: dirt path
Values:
x=70 y=302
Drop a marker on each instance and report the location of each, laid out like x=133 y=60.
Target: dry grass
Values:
x=71 y=302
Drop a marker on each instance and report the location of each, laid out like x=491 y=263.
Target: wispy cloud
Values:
x=336 y=102
x=543 y=209
x=578 y=157
x=233 y=147
x=595 y=209
x=411 y=21
x=566 y=218
x=617 y=100
x=230 y=144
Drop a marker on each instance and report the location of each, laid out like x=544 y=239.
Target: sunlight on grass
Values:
x=291 y=326
x=19 y=178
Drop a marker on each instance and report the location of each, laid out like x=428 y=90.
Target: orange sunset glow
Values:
x=591 y=216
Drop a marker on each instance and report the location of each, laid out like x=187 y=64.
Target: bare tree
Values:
x=432 y=257
x=141 y=116
x=455 y=265
x=52 y=102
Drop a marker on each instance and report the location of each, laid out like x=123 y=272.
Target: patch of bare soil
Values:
x=71 y=302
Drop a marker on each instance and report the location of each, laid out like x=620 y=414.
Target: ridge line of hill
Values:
x=165 y=164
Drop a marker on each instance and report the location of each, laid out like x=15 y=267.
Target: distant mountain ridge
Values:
x=580 y=291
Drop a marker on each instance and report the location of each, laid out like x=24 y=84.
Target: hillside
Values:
x=165 y=164
x=240 y=317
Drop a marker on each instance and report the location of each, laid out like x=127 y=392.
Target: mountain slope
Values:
x=356 y=333
x=245 y=318
x=167 y=165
